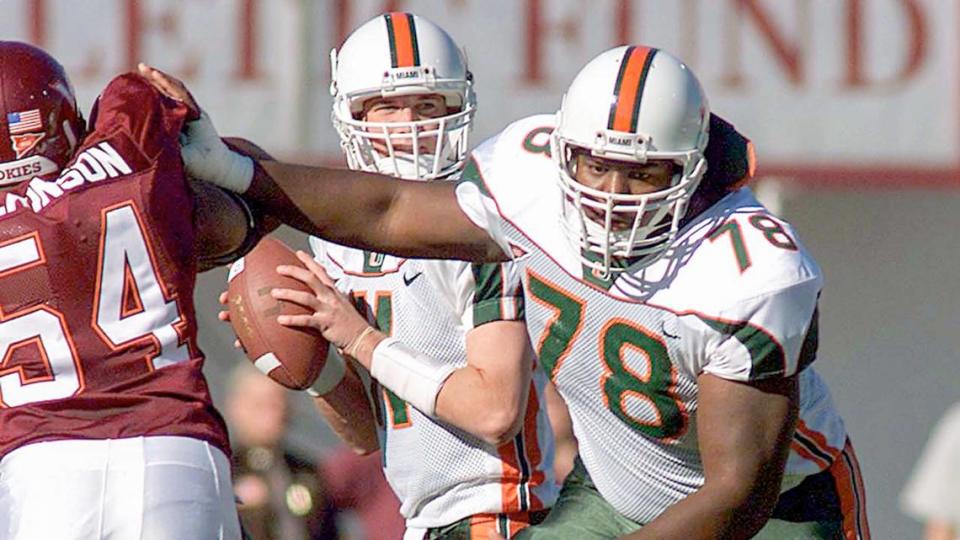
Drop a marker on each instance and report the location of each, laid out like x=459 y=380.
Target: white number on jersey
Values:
x=40 y=327
x=126 y=275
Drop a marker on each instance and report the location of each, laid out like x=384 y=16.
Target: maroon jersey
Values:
x=97 y=270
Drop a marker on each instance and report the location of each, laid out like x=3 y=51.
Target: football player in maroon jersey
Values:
x=108 y=427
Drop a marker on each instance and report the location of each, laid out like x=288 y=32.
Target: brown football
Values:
x=291 y=356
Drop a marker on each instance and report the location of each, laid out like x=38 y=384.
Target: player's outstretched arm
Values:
x=372 y=211
x=353 y=208
x=222 y=224
x=227 y=226
x=744 y=431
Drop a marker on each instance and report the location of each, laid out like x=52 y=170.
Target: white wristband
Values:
x=330 y=376
x=206 y=157
x=413 y=377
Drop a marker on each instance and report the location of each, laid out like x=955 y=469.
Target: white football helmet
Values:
x=633 y=104
x=398 y=54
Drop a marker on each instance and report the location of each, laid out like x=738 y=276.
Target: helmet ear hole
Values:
x=570 y=159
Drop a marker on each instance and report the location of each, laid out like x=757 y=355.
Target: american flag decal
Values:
x=23 y=121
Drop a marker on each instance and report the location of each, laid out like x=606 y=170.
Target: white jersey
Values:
x=626 y=355
x=933 y=491
x=440 y=473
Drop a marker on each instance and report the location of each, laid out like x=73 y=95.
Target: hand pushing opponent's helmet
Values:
x=636 y=105
x=40 y=125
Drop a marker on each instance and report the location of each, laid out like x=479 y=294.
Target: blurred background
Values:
x=854 y=107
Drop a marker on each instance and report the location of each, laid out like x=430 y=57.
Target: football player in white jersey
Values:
x=466 y=444
x=676 y=315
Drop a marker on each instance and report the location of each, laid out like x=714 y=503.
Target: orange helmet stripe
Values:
x=625 y=107
x=402 y=33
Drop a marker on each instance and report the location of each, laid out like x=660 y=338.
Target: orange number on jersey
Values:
x=398 y=410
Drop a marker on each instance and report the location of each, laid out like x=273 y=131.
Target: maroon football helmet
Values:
x=40 y=125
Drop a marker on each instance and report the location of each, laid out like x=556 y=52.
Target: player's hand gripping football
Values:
x=334 y=315
x=224 y=313
x=326 y=302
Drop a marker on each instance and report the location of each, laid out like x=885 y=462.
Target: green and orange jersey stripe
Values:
x=812 y=446
x=505 y=525
x=628 y=90
x=522 y=460
x=849 y=485
x=402 y=34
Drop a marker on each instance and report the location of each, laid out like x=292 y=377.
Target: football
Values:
x=291 y=356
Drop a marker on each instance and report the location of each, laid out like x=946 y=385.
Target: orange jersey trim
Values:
x=521 y=459
x=504 y=525
x=853 y=504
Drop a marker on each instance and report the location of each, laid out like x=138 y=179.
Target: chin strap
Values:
x=206 y=157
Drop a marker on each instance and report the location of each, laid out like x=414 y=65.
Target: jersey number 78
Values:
x=619 y=383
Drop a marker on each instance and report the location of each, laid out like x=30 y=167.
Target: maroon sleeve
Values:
x=132 y=104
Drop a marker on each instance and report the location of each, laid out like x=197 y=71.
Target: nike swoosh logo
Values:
x=408 y=280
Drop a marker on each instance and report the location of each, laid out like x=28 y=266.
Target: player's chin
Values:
x=617 y=223
x=626 y=224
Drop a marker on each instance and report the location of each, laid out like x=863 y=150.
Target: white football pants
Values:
x=142 y=488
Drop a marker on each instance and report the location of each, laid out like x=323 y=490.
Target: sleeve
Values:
x=130 y=103
x=933 y=490
x=479 y=205
x=770 y=335
x=493 y=294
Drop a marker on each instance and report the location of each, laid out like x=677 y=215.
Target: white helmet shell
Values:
x=633 y=104
x=401 y=54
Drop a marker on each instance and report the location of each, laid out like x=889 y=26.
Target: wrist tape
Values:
x=414 y=377
x=330 y=376
x=206 y=157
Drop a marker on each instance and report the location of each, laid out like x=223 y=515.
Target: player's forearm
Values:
x=472 y=401
x=468 y=397
x=347 y=411
x=318 y=199
x=370 y=211
x=714 y=512
x=744 y=432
